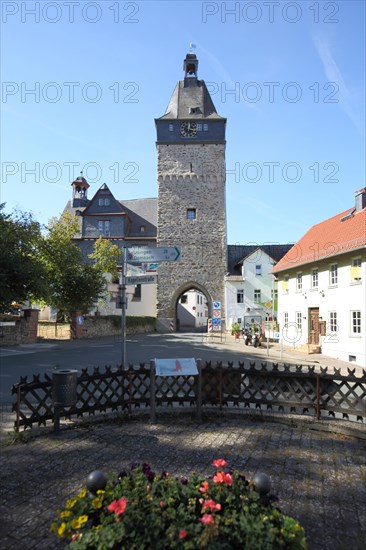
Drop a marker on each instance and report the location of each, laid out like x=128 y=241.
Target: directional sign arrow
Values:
x=138 y=254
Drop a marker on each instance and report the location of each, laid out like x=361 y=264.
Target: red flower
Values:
x=212 y=505
x=221 y=477
x=207 y=519
x=118 y=506
x=219 y=463
x=182 y=534
x=162 y=503
x=204 y=487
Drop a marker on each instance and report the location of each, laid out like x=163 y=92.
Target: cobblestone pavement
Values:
x=319 y=476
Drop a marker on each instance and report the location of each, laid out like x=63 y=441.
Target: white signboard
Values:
x=176 y=367
x=138 y=254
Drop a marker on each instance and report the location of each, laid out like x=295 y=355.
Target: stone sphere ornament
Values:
x=262 y=483
x=96 y=481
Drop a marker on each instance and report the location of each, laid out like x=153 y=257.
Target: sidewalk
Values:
x=319 y=476
x=274 y=353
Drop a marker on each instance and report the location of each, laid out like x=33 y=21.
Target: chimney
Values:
x=360 y=199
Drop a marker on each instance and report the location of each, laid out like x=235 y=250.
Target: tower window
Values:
x=199 y=127
x=171 y=127
x=142 y=228
x=191 y=213
x=205 y=127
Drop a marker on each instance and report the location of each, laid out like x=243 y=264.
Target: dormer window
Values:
x=194 y=110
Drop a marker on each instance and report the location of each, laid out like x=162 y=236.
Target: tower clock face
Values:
x=188 y=129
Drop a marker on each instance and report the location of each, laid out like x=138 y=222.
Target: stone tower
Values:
x=191 y=196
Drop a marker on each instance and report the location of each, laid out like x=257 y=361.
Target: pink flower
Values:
x=182 y=534
x=221 y=477
x=219 y=463
x=162 y=503
x=207 y=519
x=118 y=506
x=212 y=505
x=204 y=487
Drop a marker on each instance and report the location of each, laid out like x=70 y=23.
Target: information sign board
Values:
x=176 y=367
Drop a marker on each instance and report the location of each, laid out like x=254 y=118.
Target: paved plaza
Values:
x=319 y=476
x=317 y=468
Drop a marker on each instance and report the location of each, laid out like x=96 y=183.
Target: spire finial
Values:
x=192 y=47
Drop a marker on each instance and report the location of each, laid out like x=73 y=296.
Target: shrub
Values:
x=141 y=510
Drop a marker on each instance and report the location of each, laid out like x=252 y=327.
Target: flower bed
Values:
x=141 y=510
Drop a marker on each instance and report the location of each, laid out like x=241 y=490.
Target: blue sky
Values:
x=289 y=77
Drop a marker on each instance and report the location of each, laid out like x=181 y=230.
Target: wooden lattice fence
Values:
x=278 y=388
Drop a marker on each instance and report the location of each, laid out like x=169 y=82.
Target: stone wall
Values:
x=97 y=327
x=16 y=330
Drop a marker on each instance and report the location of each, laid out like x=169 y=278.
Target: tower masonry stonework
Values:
x=191 y=196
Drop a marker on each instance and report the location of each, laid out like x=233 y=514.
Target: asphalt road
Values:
x=27 y=360
x=33 y=359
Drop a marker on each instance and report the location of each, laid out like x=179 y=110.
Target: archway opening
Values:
x=192 y=304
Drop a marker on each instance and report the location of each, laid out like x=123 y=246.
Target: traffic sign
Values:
x=216 y=321
x=138 y=254
x=216 y=313
x=142 y=280
x=268 y=304
x=217 y=305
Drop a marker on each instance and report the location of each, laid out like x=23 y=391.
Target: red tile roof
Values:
x=328 y=238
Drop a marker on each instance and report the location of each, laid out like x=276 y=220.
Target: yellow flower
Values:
x=97 y=502
x=83 y=519
x=82 y=493
x=100 y=492
x=65 y=514
x=75 y=524
x=71 y=503
x=61 y=530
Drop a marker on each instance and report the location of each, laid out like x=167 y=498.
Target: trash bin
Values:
x=64 y=387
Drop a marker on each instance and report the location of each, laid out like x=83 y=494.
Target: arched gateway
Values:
x=191 y=195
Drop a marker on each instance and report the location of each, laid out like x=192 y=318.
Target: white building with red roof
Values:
x=322 y=287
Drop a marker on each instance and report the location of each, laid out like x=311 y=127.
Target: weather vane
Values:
x=191 y=47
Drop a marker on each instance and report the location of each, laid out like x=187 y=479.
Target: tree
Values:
x=73 y=284
x=22 y=276
x=106 y=256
